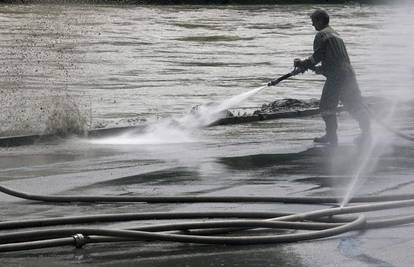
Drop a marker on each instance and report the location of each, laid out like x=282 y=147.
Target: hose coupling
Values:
x=80 y=240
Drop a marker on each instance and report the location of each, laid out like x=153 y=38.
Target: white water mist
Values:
x=206 y=114
x=392 y=61
x=181 y=129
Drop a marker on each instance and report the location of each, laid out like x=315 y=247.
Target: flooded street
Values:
x=83 y=67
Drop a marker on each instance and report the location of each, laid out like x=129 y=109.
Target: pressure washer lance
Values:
x=294 y=72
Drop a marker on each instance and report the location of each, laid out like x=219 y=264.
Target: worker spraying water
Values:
x=309 y=225
x=341 y=84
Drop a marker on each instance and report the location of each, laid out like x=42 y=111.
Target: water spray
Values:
x=209 y=114
x=179 y=130
x=312 y=225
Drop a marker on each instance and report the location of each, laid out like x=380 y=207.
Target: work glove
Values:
x=298 y=63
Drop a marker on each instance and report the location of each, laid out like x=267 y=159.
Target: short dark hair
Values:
x=320 y=15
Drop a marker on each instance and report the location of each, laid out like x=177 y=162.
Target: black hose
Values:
x=316 y=224
x=197 y=199
x=136 y=216
x=188 y=238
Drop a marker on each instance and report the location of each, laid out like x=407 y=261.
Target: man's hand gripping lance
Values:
x=294 y=72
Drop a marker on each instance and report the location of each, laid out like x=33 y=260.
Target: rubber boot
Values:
x=365 y=126
x=330 y=137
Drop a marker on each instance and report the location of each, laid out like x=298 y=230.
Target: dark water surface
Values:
x=126 y=64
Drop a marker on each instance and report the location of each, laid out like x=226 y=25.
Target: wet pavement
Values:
x=273 y=158
x=105 y=66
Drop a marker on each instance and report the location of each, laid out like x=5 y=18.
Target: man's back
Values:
x=329 y=48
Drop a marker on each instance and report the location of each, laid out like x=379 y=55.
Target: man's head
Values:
x=320 y=19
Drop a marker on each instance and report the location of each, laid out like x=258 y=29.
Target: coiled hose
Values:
x=319 y=223
x=312 y=225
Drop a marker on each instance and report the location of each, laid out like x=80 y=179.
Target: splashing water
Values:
x=179 y=130
x=209 y=113
x=65 y=117
x=164 y=132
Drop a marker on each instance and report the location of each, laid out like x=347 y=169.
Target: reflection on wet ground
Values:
x=221 y=166
x=163 y=255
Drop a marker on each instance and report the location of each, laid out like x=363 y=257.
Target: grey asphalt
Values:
x=275 y=158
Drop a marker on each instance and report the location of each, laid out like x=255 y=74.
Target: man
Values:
x=341 y=84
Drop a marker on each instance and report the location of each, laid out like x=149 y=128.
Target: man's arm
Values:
x=317 y=56
x=317 y=69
